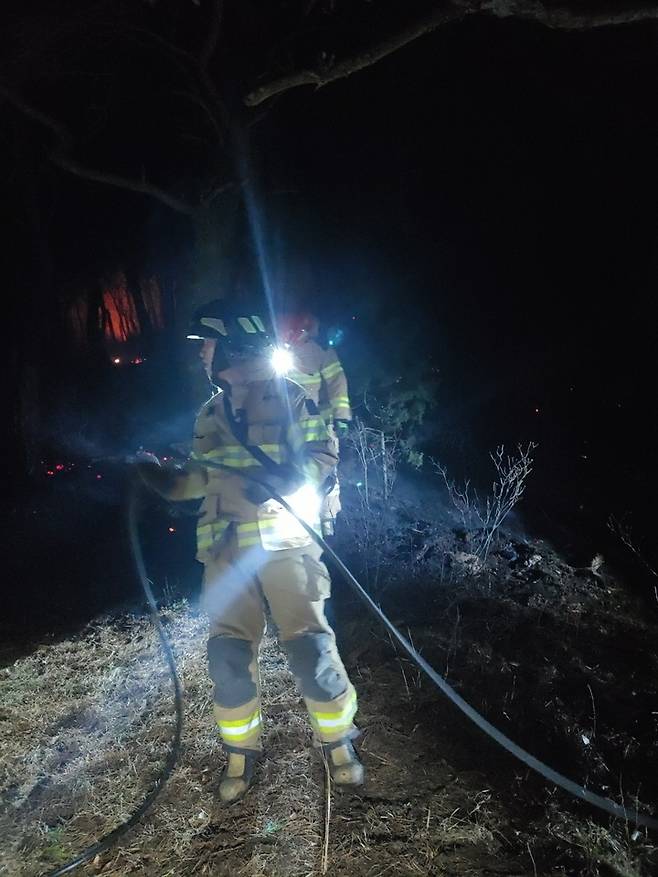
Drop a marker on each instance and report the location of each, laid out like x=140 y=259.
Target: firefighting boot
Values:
x=327 y=526
x=344 y=764
x=238 y=774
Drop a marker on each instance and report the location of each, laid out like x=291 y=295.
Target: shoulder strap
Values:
x=239 y=433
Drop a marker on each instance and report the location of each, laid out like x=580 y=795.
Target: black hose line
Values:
x=470 y=712
x=553 y=776
x=113 y=836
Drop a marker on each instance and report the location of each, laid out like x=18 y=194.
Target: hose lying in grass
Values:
x=100 y=846
x=553 y=776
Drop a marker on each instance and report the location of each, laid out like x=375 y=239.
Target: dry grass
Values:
x=84 y=727
x=85 y=724
x=618 y=851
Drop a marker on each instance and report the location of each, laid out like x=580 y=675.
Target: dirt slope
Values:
x=84 y=724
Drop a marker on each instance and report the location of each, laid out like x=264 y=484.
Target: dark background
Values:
x=478 y=207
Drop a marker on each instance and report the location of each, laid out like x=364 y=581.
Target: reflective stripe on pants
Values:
x=295 y=584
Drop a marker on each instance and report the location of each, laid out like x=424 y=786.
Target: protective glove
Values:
x=154 y=475
x=285 y=482
x=342 y=428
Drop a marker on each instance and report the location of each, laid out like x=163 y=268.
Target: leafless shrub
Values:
x=376 y=455
x=379 y=455
x=507 y=489
x=623 y=532
x=463 y=501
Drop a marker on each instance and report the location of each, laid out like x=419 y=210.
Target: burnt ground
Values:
x=562 y=659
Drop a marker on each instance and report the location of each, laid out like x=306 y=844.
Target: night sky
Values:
x=478 y=206
x=490 y=194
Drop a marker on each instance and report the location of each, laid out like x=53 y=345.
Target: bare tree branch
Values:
x=197 y=68
x=60 y=157
x=366 y=58
x=59 y=130
x=216 y=190
x=216 y=109
x=564 y=17
x=210 y=44
x=109 y=179
x=210 y=114
x=571 y=16
x=181 y=55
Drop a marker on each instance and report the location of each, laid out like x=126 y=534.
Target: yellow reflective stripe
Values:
x=207 y=534
x=238 y=457
x=314 y=429
x=249 y=533
x=235 y=723
x=340 y=402
x=305 y=379
x=238 y=450
x=237 y=463
x=330 y=371
x=316 y=432
x=245 y=462
x=205 y=455
x=247 y=541
x=218 y=454
x=337 y=720
x=241 y=730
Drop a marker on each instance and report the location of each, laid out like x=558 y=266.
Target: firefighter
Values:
x=319 y=371
x=254 y=552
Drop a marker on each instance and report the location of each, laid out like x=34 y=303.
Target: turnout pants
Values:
x=295 y=584
x=331 y=503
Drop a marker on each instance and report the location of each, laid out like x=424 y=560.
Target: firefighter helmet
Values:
x=295 y=328
x=240 y=331
x=227 y=323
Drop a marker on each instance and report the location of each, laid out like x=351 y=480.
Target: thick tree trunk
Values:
x=216 y=253
x=95 y=319
x=134 y=288
x=35 y=325
x=40 y=328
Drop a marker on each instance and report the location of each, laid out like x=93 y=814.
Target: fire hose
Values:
x=540 y=767
x=108 y=840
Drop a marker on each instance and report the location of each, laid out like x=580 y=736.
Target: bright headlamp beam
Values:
x=282 y=360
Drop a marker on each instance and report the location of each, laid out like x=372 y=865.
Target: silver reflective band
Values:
x=247 y=325
x=239 y=730
x=214 y=323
